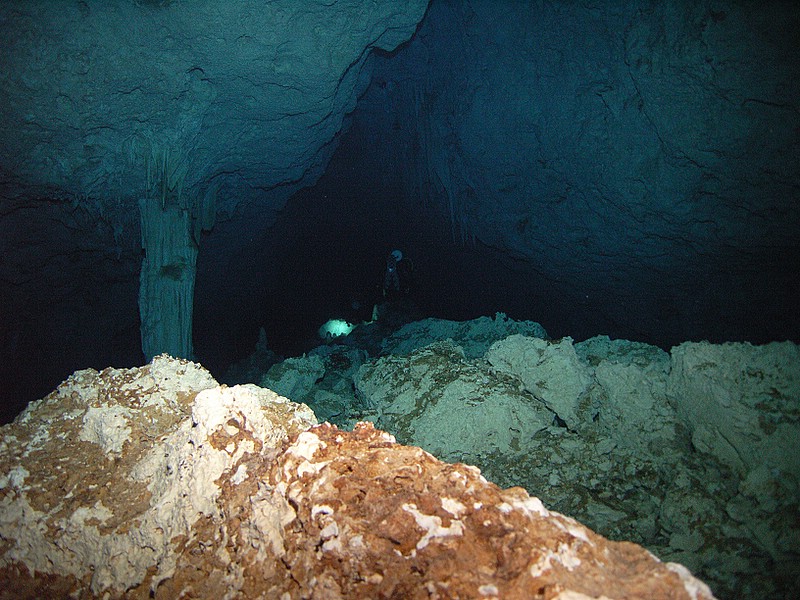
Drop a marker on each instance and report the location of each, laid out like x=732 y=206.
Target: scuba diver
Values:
x=398 y=275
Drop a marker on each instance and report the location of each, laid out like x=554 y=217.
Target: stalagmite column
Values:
x=166 y=288
x=169 y=266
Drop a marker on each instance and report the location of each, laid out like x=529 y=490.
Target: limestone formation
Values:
x=537 y=364
x=156 y=482
x=129 y=116
x=640 y=158
x=436 y=399
x=689 y=453
x=166 y=288
x=375 y=519
x=741 y=402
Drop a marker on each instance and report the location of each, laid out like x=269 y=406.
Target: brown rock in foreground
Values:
x=377 y=519
x=121 y=485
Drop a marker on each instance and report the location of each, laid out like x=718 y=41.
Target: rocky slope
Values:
x=157 y=482
x=690 y=453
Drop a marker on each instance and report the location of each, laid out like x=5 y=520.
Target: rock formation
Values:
x=132 y=124
x=689 y=453
x=625 y=168
x=157 y=482
x=639 y=160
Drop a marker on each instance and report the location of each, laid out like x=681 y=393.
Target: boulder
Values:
x=550 y=370
x=438 y=399
x=741 y=402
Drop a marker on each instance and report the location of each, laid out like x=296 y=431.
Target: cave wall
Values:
x=629 y=169
x=640 y=159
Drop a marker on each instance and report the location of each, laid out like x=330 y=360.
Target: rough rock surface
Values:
x=640 y=159
x=437 y=399
x=691 y=454
x=295 y=377
x=236 y=96
x=376 y=519
x=741 y=402
x=157 y=483
x=104 y=480
x=537 y=364
x=473 y=336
